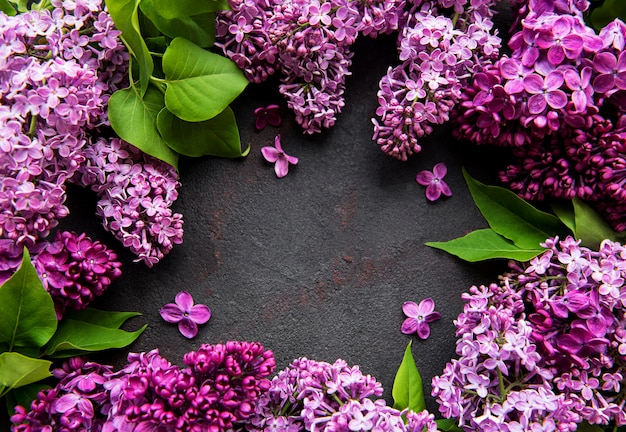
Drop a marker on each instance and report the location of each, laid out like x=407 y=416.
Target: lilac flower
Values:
x=419 y=316
x=279 y=158
x=267 y=115
x=186 y=314
x=435 y=186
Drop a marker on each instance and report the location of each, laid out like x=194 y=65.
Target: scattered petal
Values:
x=418 y=317
x=435 y=186
x=277 y=156
x=186 y=314
x=267 y=115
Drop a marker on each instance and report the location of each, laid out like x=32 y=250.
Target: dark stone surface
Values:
x=316 y=264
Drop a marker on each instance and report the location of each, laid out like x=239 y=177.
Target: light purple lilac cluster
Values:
x=545 y=348
x=58 y=68
x=558 y=101
x=73 y=268
x=312 y=395
x=136 y=193
x=308 y=43
x=217 y=391
x=441 y=44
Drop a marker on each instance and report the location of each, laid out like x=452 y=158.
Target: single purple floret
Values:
x=186 y=314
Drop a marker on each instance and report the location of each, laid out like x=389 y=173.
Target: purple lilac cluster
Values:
x=312 y=395
x=438 y=54
x=73 y=268
x=136 y=193
x=545 y=348
x=308 y=43
x=558 y=102
x=77 y=402
x=217 y=391
x=57 y=70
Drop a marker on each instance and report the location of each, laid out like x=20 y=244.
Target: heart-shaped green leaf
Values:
x=27 y=316
x=512 y=217
x=200 y=84
x=447 y=425
x=218 y=136
x=125 y=15
x=407 y=388
x=17 y=370
x=133 y=118
x=564 y=210
x=79 y=337
x=485 y=244
x=199 y=29
x=187 y=8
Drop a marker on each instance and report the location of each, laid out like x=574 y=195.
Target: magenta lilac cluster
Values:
x=312 y=395
x=440 y=45
x=557 y=101
x=77 y=403
x=308 y=43
x=73 y=268
x=216 y=391
x=545 y=348
x=136 y=193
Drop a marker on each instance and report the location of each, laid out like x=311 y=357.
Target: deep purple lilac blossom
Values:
x=545 y=348
x=186 y=314
x=557 y=102
x=267 y=115
x=307 y=43
x=217 y=390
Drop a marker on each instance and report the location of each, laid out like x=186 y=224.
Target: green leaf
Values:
x=586 y=427
x=125 y=15
x=199 y=29
x=447 y=425
x=218 y=136
x=200 y=84
x=102 y=318
x=80 y=337
x=565 y=212
x=20 y=5
x=512 y=217
x=607 y=12
x=186 y=8
x=17 y=370
x=7 y=8
x=407 y=388
x=27 y=316
x=133 y=118
x=485 y=244
x=591 y=228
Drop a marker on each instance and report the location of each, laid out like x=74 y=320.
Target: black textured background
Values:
x=316 y=264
